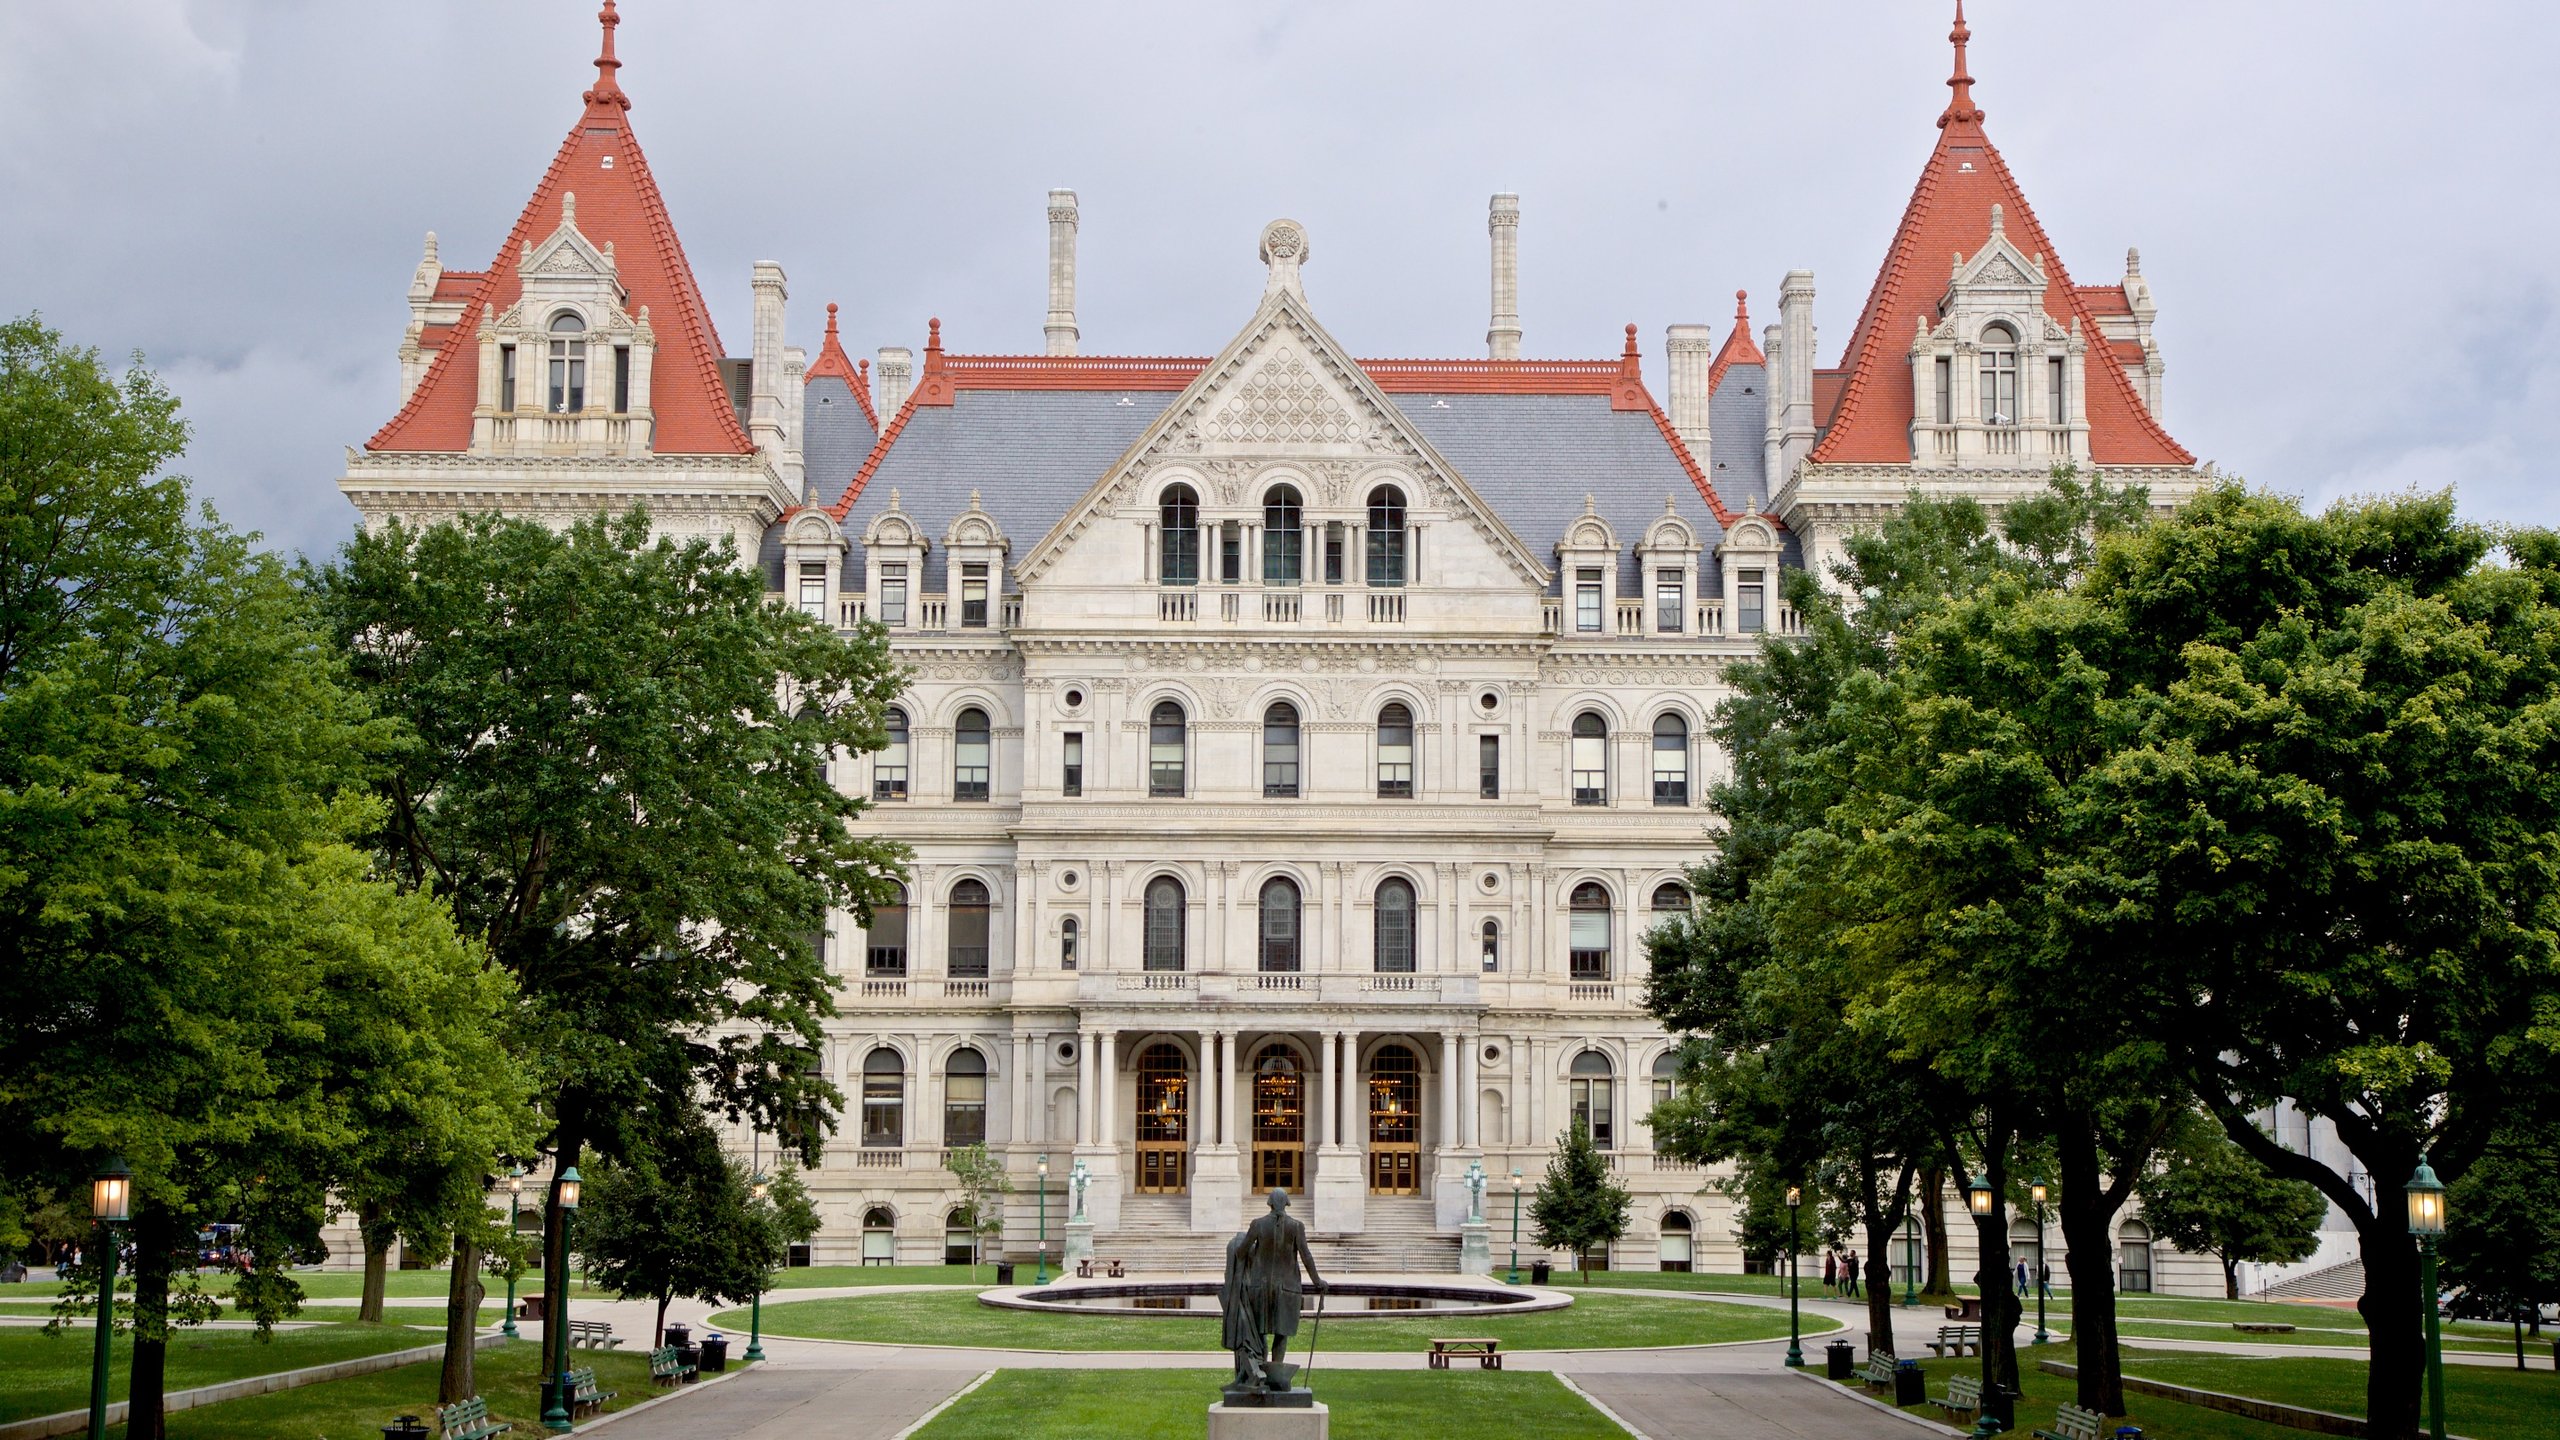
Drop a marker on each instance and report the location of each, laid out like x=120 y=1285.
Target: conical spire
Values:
x=608 y=90
x=1960 y=107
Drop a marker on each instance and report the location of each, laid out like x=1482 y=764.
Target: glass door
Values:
x=1164 y=1121
x=1279 y=1122
x=1395 y=1122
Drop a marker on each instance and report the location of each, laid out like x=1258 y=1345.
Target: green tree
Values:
x=1578 y=1207
x=983 y=1186
x=680 y=1218
x=2502 y=1227
x=2209 y=1198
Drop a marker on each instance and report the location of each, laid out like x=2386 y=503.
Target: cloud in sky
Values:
x=2334 y=201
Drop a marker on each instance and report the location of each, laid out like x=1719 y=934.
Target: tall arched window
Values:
x=1280 y=750
x=1670 y=760
x=1677 y=1232
x=1670 y=899
x=1283 y=536
x=972 y=755
x=884 y=1100
x=2133 y=1258
x=1587 y=940
x=1164 y=749
x=1666 y=1079
x=1279 y=924
x=1999 y=365
x=1492 y=945
x=1590 y=759
x=1164 y=1120
x=964 y=1098
x=1070 y=941
x=959 y=1238
x=1393 y=925
x=1386 y=536
x=885 y=956
x=1179 y=546
x=1594 y=1100
x=879 y=1236
x=1164 y=924
x=568 y=364
x=966 y=956
x=1395 y=752
x=889 y=772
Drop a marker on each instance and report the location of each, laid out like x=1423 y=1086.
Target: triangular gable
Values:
x=619 y=204
x=1950 y=215
x=1284 y=388
x=833 y=361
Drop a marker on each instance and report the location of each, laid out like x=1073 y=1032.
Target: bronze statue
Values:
x=1259 y=1304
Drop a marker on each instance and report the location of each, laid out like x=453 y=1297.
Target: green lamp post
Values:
x=111 y=1205
x=1910 y=1262
x=1795 y=1280
x=515 y=1198
x=1040 y=1255
x=1999 y=1412
x=1515 y=1224
x=2426 y=1221
x=755 y=1302
x=2035 y=1277
x=555 y=1316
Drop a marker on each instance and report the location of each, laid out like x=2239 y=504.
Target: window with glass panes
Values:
x=1393 y=928
x=506 y=379
x=964 y=1098
x=1489 y=767
x=973 y=596
x=973 y=755
x=1165 y=731
x=893 y=593
x=1395 y=752
x=568 y=365
x=1231 y=552
x=1282 y=537
x=1587 y=932
x=1670 y=760
x=1164 y=916
x=1590 y=758
x=966 y=955
x=1490 y=938
x=2057 y=393
x=889 y=771
x=1280 y=750
x=1586 y=601
x=885 y=953
x=884 y=1100
x=1670 y=599
x=1750 y=602
x=1593 y=1088
x=1070 y=942
x=1178 y=545
x=1071 y=763
x=1279 y=925
x=813 y=590
x=1386 y=536
x=1998 y=365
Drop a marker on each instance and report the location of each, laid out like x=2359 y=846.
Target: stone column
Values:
x=1328 y=1134
x=1217 y=1184
x=1021 y=1095
x=1341 y=1186
x=1469 y=1102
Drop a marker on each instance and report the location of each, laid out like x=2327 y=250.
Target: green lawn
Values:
x=1366 y=1405
x=358 y=1408
x=2209 y=1335
x=412 y=1315
x=1671 y=1280
x=1594 y=1322
x=41 y=1374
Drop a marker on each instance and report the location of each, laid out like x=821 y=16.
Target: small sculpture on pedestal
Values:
x=1259 y=1305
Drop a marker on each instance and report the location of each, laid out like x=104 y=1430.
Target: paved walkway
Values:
x=1759 y=1406
x=784 y=1401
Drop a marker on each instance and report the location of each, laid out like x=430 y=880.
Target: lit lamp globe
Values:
x=1978 y=1195
x=570 y=1185
x=111 y=1193
x=2036 y=1192
x=2426 y=1201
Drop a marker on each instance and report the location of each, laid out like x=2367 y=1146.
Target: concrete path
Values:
x=781 y=1401
x=1740 y=1407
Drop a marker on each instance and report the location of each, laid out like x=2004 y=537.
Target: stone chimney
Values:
x=1692 y=352
x=1795 y=329
x=765 y=410
x=1502 y=221
x=891 y=379
x=1062 y=272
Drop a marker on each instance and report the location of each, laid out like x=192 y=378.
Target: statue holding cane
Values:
x=1259 y=1305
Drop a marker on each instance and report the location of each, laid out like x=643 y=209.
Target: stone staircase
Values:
x=2342 y=1281
x=1399 y=1237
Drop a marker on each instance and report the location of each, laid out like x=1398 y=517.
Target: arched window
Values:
x=889 y=772
x=1588 y=932
x=1395 y=752
x=1592 y=1086
x=959 y=1238
x=879 y=1237
x=1283 y=536
x=1677 y=1231
x=1279 y=924
x=1280 y=750
x=885 y=956
x=1492 y=936
x=964 y=1098
x=1279 y=1120
x=1670 y=760
x=1670 y=899
x=1070 y=937
x=884 y=1100
x=1164 y=924
x=1394 y=928
x=1590 y=759
x=965 y=958
x=568 y=364
x=1164 y=1120
x=1386 y=536
x=1179 y=547
x=1666 y=1078
x=1164 y=749
x=2133 y=1258
x=1999 y=375
x=972 y=753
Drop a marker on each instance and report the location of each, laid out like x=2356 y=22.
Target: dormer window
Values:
x=1180 y=542
x=1999 y=365
x=507 y=379
x=1281 y=536
x=568 y=365
x=2057 y=391
x=1586 y=600
x=1386 y=536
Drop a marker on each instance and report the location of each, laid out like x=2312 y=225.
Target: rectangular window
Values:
x=1492 y=947
x=813 y=590
x=1669 y=600
x=1489 y=766
x=893 y=594
x=1386 y=556
x=1946 y=390
x=973 y=597
x=1230 y=553
x=1280 y=555
x=968 y=955
x=886 y=957
x=964 y=1109
x=507 y=379
x=1750 y=594
x=1333 y=553
x=621 y=379
x=1588 y=945
x=1072 y=781
x=2056 y=410
x=1586 y=601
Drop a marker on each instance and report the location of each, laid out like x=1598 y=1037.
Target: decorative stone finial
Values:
x=2132 y=255
x=1742 y=308
x=1960 y=107
x=893 y=497
x=568 y=207
x=1667 y=507
x=973 y=498
x=1590 y=504
x=1284 y=248
x=608 y=90
x=431 y=248
x=1998 y=225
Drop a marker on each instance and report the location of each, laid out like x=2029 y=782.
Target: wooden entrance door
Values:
x=1164 y=1122
x=1279 y=1121
x=1395 y=1122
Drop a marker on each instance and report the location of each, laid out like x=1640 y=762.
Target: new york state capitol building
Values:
x=1299 y=744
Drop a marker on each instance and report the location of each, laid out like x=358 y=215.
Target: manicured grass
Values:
x=411 y=1315
x=1670 y=1280
x=1594 y=1322
x=358 y=1408
x=41 y=1374
x=1366 y=1405
x=822 y=1277
x=2479 y=1401
x=2209 y=1335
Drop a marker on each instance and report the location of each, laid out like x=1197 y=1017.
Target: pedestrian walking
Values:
x=2044 y=1279
x=1831 y=1272
x=1849 y=1274
x=2022 y=1277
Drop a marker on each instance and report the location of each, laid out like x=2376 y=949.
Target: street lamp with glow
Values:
x=1795 y=1280
x=1515 y=1224
x=111 y=1205
x=555 y=1315
x=755 y=1314
x=2036 y=1193
x=2426 y=1221
x=515 y=1199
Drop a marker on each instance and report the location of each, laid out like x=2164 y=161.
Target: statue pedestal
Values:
x=1217 y=1189
x=1475 y=1249
x=1079 y=1246
x=1263 y=1422
x=1341 y=1191
x=1102 y=1186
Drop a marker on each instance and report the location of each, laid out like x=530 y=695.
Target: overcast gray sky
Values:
x=2337 y=203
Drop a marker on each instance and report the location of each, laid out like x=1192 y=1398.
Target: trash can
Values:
x=407 y=1427
x=1839 y=1360
x=677 y=1335
x=2000 y=1403
x=1910 y=1387
x=690 y=1356
x=1004 y=1272
x=1540 y=1272
x=715 y=1353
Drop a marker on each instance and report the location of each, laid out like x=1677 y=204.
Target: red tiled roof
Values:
x=2104 y=299
x=831 y=361
x=618 y=203
x=458 y=284
x=1739 y=347
x=1950 y=213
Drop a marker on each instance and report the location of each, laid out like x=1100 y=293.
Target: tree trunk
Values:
x=377 y=1258
x=1882 y=1221
x=555 y=1256
x=660 y=1330
x=146 y=1388
x=460 y=1379
x=2395 y=1330
x=2230 y=1278
x=1999 y=1296
x=1933 y=1231
x=2088 y=1218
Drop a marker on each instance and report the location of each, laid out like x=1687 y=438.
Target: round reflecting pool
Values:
x=1353 y=1299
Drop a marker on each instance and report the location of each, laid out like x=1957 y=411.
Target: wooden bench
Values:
x=2261 y=1327
x=1958 y=1340
x=584 y=1397
x=1967 y=1307
x=2070 y=1422
x=667 y=1367
x=1964 y=1397
x=1487 y=1352
x=594 y=1334
x=1877 y=1373
x=468 y=1421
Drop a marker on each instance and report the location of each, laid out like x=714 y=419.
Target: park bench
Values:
x=2070 y=1422
x=584 y=1397
x=594 y=1334
x=1967 y=1307
x=1878 y=1371
x=1487 y=1352
x=468 y=1421
x=1964 y=1397
x=1957 y=1340
x=667 y=1367
x=2261 y=1327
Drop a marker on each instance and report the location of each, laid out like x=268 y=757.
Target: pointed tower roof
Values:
x=1950 y=214
x=833 y=361
x=1739 y=347
x=618 y=204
